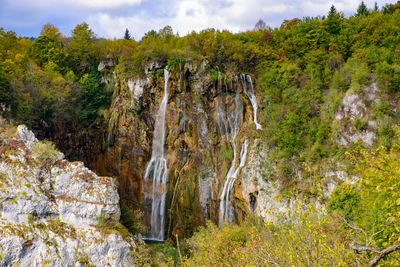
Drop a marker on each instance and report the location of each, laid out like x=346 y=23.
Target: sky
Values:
x=110 y=18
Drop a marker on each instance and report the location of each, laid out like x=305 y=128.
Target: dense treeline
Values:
x=52 y=83
x=303 y=69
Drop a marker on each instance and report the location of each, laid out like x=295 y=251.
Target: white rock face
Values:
x=136 y=87
x=54 y=215
x=26 y=136
x=353 y=107
x=107 y=62
x=152 y=66
x=258 y=189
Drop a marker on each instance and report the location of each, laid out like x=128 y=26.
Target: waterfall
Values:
x=231 y=130
x=250 y=94
x=157 y=169
x=232 y=179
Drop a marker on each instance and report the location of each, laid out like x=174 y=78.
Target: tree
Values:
x=362 y=10
x=371 y=207
x=4 y=88
x=127 y=35
x=260 y=25
x=166 y=32
x=334 y=20
x=81 y=48
x=46 y=50
x=52 y=32
x=332 y=10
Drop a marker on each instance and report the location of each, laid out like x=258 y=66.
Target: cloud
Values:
x=186 y=16
x=101 y=4
x=109 y=18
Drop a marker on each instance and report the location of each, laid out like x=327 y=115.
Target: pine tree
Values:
x=362 y=10
x=334 y=20
x=332 y=10
x=127 y=35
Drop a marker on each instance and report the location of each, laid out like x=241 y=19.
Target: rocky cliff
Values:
x=209 y=119
x=198 y=146
x=54 y=212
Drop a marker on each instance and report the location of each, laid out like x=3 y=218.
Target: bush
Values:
x=306 y=238
x=132 y=220
x=45 y=152
x=360 y=124
x=166 y=253
x=345 y=198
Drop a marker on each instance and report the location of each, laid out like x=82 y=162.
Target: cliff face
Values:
x=56 y=212
x=198 y=146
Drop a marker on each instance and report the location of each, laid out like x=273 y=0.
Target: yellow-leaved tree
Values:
x=371 y=204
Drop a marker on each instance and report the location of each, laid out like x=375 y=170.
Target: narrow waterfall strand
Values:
x=252 y=97
x=157 y=169
x=243 y=156
x=234 y=121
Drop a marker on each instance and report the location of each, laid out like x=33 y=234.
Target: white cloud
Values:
x=102 y=4
x=109 y=18
x=107 y=26
x=191 y=15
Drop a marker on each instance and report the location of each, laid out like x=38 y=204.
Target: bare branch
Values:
x=362 y=249
x=356 y=229
x=380 y=254
x=383 y=253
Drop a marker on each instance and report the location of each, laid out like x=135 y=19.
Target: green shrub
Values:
x=45 y=152
x=361 y=124
x=226 y=153
x=132 y=220
x=30 y=219
x=345 y=198
x=166 y=253
x=105 y=220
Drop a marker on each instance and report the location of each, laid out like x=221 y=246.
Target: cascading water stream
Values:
x=157 y=170
x=231 y=130
x=243 y=156
x=250 y=94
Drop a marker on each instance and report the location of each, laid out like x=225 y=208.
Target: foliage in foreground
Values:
x=306 y=238
x=371 y=205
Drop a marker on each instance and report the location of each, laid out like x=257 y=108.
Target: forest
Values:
x=302 y=69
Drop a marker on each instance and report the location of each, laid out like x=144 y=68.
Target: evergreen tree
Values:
x=376 y=8
x=334 y=20
x=127 y=35
x=362 y=10
x=332 y=10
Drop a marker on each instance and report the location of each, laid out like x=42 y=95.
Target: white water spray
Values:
x=250 y=94
x=157 y=169
x=230 y=131
x=243 y=155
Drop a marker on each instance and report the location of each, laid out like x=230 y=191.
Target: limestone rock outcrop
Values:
x=54 y=212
